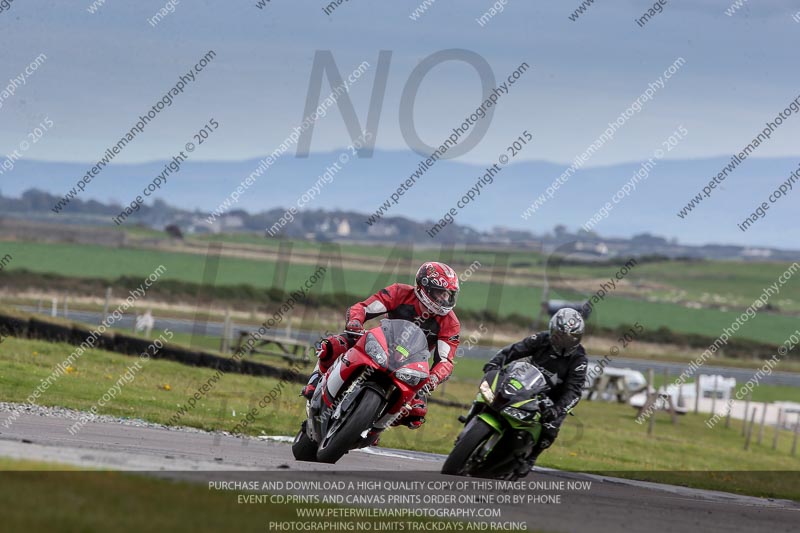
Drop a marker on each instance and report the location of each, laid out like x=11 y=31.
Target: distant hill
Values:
x=348 y=226
x=364 y=184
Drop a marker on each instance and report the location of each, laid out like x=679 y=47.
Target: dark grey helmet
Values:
x=566 y=330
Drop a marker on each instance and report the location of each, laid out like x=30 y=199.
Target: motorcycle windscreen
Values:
x=406 y=341
x=521 y=377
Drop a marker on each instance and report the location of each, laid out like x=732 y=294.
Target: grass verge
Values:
x=603 y=437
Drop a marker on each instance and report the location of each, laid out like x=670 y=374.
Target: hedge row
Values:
x=737 y=348
x=244 y=297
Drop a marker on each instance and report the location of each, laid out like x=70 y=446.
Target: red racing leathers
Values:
x=399 y=301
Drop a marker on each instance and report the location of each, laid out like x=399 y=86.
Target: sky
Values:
x=104 y=69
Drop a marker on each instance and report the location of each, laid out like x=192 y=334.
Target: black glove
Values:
x=494 y=365
x=551 y=413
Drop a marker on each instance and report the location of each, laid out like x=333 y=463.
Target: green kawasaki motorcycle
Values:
x=503 y=425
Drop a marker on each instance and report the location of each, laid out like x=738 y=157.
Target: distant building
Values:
x=382 y=230
x=599 y=248
x=343 y=230
x=232 y=222
x=757 y=253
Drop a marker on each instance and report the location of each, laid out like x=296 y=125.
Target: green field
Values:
x=723 y=283
x=728 y=284
x=745 y=281
x=602 y=437
x=419 y=255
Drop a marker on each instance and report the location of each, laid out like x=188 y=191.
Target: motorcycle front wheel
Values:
x=469 y=443
x=346 y=431
x=303 y=448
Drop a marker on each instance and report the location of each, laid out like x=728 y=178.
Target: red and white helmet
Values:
x=437 y=287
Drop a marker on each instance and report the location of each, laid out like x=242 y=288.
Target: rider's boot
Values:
x=373 y=437
x=527 y=464
x=328 y=350
x=311 y=386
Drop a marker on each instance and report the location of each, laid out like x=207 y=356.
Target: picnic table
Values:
x=290 y=349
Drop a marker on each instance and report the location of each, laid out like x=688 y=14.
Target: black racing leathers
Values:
x=566 y=373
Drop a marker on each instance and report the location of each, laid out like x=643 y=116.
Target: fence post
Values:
x=654 y=398
x=750 y=428
x=54 y=307
x=728 y=415
x=746 y=410
x=763 y=421
x=226 y=332
x=714 y=395
x=794 y=443
x=66 y=306
x=777 y=429
x=107 y=304
x=697 y=394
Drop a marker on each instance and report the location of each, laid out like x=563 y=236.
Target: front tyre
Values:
x=468 y=444
x=303 y=448
x=347 y=431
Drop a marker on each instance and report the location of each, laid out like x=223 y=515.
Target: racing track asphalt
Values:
x=612 y=505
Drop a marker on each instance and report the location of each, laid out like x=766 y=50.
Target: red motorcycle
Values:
x=365 y=390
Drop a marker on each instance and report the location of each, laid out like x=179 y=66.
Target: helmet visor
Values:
x=564 y=341
x=443 y=297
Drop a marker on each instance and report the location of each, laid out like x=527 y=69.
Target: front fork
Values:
x=318 y=412
x=473 y=410
x=521 y=442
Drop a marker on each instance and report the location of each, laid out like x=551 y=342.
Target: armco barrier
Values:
x=55 y=330
x=13 y=326
x=130 y=345
x=49 y=331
